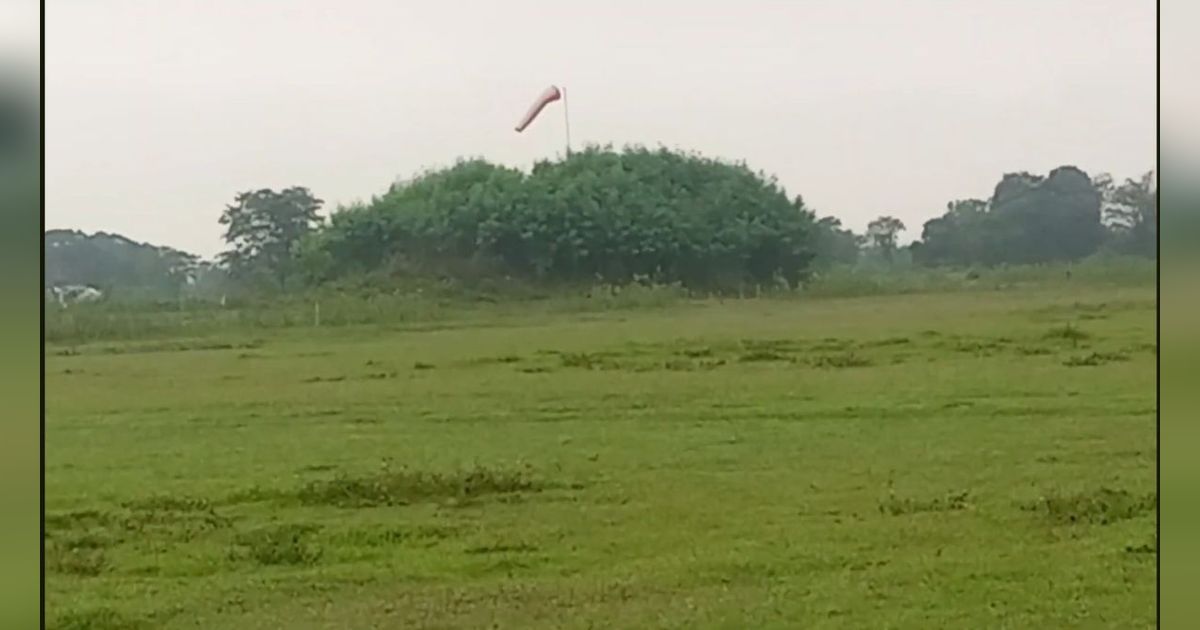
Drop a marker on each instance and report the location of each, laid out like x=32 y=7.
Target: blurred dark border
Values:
x=22 y=188
x=1179 y=297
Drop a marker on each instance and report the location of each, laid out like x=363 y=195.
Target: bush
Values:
x=601 y=214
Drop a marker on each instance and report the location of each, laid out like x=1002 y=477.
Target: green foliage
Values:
x=1029 y=219
x=634 y=217
x=288 y=544
x=882 y=234
x=900 y=506
x=834 y=244
x=117 y=265
x=264 y=228
x=1100 y=270
x=102 y=618
x=1131 y=214
x=961 y=236
x=405 y=486
x=1100 y=507
x=611 y=216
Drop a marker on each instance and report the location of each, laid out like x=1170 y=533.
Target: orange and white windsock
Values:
x=551 y=94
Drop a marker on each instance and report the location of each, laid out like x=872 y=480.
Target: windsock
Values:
x=551 y=94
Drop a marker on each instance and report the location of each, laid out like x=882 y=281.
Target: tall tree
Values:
x=1040 y=219
x=960 y=236
x=1028 y=219
x=1131 y=213
x=263 y=228
x=835 y=245
x=882 y=233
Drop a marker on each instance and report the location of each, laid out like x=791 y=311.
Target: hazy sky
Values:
x=158 y=111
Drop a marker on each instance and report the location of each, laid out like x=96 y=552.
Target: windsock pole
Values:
x=566 y=120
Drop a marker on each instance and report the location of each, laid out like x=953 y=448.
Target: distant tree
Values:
x=1041 y=219
x=116 y=264
x=1028 y=219
x=835 y=245
x=1130 y=213
x=263 y=228
x=882 y=233
x=960 y=236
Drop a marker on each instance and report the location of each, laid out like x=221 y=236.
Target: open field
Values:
x=962 y=460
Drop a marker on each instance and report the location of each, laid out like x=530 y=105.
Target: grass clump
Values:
x=1068 y=332
x=78 y=555
x=843 y=360
x=404 y=487
x=582 y=360
x=889 y=341
x=95 y=619
x=176 y=518
x=505 y=359
x=76 y=520
x=168 y=503
x=1095 y=359
x=782 y=346
x=1100 y=507
x=79 y=536
x=763 y=355
x=1150 y=547
x=983 y=347
x=679 y=365
x=281 y=545
x=502 y=547
x=393 y=536
x=898 y=506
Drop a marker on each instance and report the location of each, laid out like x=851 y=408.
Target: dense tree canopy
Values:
x=263 y=228
x=1035 y=219
x=834 y=244
x=599 y=215
x=109 y=261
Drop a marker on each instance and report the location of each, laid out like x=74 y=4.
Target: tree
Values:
x=960 y=236
x=882 y=233
x=601 y=214
x=1028 y=219
x=1131 y=213
x=835 y=245
x=116 y=265
x=263 y=228
x=1055 y=218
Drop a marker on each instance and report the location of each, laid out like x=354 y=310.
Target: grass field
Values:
x=962 y=460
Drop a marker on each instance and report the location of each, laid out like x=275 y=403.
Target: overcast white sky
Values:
x=159 y=111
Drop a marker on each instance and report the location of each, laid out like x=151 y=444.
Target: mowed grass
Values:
x=921 y=461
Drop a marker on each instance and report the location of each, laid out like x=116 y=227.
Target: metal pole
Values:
x=567 y=121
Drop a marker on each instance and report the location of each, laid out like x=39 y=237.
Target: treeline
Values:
x=633 y=215
x=1032 y=219
x=118 y=265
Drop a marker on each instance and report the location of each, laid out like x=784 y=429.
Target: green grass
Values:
x=422 y=304
x=963 y=460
